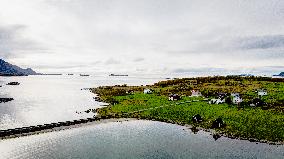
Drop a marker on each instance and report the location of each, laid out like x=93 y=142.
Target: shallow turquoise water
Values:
x=133 y=139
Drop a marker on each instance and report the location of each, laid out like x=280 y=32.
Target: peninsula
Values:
x=207 y=103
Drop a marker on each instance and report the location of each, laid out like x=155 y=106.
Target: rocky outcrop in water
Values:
x=13 y=83
x=4 y=100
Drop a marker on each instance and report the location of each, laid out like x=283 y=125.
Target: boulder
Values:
x=218 y=123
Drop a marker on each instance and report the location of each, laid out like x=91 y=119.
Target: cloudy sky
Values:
x=145 y=36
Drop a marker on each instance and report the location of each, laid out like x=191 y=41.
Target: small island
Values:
x=250 y=108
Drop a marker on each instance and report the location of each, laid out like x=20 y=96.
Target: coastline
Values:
x=215 y=134
x=128 y=105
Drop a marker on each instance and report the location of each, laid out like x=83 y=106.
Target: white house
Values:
x=195 y=93
x=237 y=100
x=217 y=101
x=173 y=97
x=262 y=92
x=147 y=91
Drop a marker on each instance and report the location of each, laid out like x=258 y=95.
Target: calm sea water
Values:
x=45 y=99
x=133 y=139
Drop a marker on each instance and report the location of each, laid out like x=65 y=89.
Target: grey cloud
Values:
x=60 y=66
x=112 y=61
x=69 y=65
x=8 y=39
x=268 y=45
x=207 y=69
x=265 y=70
x=11 y=41
x=261 y=42
x=139 y=59
x=203 y=33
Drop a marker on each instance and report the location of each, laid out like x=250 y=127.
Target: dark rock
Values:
x=13 y=83
x=196 y=118
x=4 y=100
x=216 y=136
x=194 y=130
x=218 y=123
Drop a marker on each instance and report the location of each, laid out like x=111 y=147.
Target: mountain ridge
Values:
x=7 y=69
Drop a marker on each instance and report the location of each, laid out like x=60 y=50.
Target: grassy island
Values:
x=264 y=123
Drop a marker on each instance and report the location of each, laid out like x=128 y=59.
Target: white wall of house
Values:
x=216 y=101
x=237 y=100
x=147 y=91
x=195 y=93
x=262 y=93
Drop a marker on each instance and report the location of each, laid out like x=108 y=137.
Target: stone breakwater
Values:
x=31 y=130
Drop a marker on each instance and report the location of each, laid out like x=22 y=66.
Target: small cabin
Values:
x=222 y=96
x=148 y=91
x=217 y=101
x=257 y=102
x=262 y=92
x=237 y=100
x=174 y=97
x=130 y=91
x=195 y=93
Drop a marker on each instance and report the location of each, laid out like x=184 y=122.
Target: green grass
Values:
x=248 y=122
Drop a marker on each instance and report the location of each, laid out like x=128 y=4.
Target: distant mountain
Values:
x=7 y=69
x=280 y=74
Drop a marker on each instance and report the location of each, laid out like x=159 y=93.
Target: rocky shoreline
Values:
x=217 y=134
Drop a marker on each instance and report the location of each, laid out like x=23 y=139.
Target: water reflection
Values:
x=134 y=139
x=46 y=99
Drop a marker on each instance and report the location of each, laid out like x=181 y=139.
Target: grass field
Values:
x=247 y=122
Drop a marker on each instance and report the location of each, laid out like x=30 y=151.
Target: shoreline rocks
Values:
x=13 y=83
x=4 y=100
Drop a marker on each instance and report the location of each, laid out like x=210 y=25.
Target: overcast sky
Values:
x=147 y=36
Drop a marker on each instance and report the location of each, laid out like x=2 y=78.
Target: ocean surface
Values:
x=46 y=99
x=134 y=140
